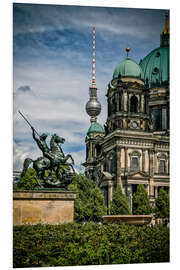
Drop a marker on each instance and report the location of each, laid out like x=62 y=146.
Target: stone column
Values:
x=147 y=188
x=139 y=104
x=126 y=159
x=110 y=192
x=117 y=102
x=142 y=103
x=91 y=150
x=125 y=102
x=143 y=160
x=129 y=191
x=151 y=188
x=151 y=162
x=118 y=151
x=151 y=170
x=167 y=165
x=156 y=192
x=146 y=164
x=124 y=123
x=123 y=158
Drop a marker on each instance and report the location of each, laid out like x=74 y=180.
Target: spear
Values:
x=28 y=123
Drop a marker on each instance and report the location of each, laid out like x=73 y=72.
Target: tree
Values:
x=27 y=182
x=140 y=203
x=162 y=204
x=89 y=204
x=119 y=204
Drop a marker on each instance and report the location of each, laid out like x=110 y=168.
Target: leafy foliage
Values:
x=89 y=206
x=27 y=182
x=140 y=203
x=119 y=204
x=162 y=204
x=90 y=244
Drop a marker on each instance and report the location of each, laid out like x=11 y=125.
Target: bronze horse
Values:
x=52 y=160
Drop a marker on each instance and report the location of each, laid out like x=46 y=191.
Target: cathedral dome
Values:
x=96 y=128
x=156 y=66
x=128 y=68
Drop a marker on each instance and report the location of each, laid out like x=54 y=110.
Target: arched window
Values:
x=134 y=164
x=162 y=166
x=134 y=104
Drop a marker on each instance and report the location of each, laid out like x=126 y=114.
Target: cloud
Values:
x=25 y=88
x=52 y=67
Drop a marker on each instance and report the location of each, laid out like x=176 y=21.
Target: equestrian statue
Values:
x=54 y=162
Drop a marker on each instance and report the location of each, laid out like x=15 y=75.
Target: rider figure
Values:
x=41 y=142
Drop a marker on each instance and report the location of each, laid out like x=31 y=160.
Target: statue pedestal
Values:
x=43 y=206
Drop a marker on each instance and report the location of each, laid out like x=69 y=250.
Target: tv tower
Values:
x=93 y=107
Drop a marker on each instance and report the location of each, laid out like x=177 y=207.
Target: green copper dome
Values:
x=95 y=128
x=156 y=66
x=128 y=68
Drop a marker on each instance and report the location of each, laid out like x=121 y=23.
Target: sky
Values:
x=52 y=67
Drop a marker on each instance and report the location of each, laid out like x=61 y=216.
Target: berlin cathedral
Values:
x=132 y=147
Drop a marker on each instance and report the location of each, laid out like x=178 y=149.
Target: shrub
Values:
x=90 y=244
x=119 y=204
x=140 y=203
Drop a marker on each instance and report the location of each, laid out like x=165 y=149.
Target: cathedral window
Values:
x=156 y=118
x=134 y=164
x=159 y=118
x=134 y=104
x=161 y=166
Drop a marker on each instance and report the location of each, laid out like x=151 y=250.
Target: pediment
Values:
x=105 y=178
x=138 y=174
x=106 y=175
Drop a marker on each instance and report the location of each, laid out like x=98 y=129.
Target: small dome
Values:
x=128 y=68
x=156 y=66
x=96 y=128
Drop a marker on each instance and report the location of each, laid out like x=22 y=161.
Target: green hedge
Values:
x=89 y=244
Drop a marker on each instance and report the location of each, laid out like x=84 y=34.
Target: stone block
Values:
x=45 y=207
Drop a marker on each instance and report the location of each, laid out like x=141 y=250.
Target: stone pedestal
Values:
x=43 y=206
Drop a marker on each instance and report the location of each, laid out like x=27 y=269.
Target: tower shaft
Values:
x=93 y=59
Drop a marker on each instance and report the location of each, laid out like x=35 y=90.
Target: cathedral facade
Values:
x=132 y=147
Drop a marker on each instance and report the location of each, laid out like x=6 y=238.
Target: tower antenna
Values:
x=93 y=58
x=93 y=106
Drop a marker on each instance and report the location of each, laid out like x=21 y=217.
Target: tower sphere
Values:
x=93 y=107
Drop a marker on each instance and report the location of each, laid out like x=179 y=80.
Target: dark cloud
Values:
x=24 y=88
